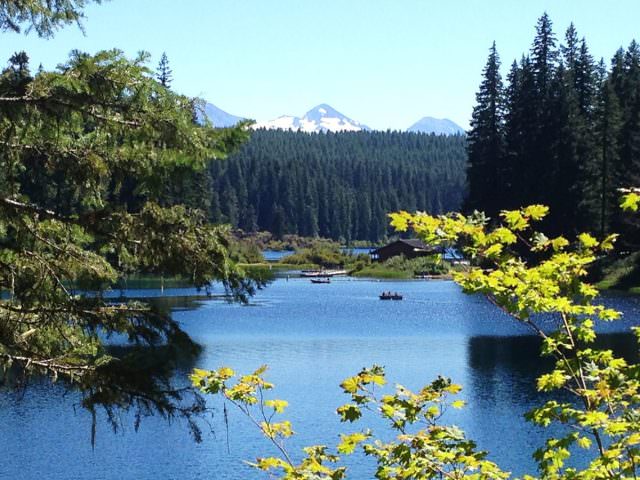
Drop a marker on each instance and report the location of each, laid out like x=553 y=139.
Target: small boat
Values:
x=321 y=280
x=390 y=296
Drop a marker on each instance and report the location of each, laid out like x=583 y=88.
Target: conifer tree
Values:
x=42 y=16
x=84 y=152
x=163 y=72
x=628 y=170
x=326 y=183
x=544 y=54
x=571 y=134
x=562 y=166
x=520 y=134
x=607 y=132
x=543 y=128
x=486 y=170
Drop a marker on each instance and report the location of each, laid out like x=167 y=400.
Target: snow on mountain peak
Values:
x=324 y=118
x=321 y=118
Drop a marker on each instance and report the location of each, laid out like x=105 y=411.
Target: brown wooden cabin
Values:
x=411 y=248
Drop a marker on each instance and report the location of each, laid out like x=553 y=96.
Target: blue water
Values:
x=312 y=337
x=358 y=250
x=275 y=255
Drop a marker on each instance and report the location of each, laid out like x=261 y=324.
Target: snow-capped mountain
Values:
x=438 y=126
x=324 y=118
x=321 y=118
x=218 y=117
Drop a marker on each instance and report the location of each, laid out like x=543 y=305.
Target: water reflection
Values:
x=140 y=382
x=502 y=374
x=312 y=338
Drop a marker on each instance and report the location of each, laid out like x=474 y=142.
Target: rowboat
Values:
x=321 y=280
x=390 y=296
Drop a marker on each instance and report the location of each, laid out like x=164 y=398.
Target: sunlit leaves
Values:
x=559 y=243
x=277 y=429
x=515 y=220
x=541 y=282
x=493 y=251
x=349 y=412
x=552 y=381
x=631 y=201
x=587 y=241
x=431 y=451
x=277 y=405
x=271 y=463
x=543 y=288
x=348 y=443
x=536 y=212
x=400 y=221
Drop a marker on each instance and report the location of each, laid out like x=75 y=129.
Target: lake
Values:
x=312 y=337
x=275 y=255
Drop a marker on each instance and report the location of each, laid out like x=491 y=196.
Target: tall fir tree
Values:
x=608 y=121
x=486 y=142
x=164 y=74
x=521 y=115
x=628 y=171
x=544 y=54
x=562 y=165
x=543 y=127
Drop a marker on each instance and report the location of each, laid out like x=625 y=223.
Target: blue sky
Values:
x=385 y=63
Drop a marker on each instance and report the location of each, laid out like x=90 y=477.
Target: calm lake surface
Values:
x=312 y=337
x=275 y=255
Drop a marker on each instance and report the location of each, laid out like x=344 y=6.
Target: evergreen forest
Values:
x=562 y=130
x=333 y=185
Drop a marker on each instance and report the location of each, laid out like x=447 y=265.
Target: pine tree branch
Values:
x=50 y=364
x=30 y=207
x=90 y=111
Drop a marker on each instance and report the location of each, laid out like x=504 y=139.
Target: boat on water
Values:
x=321 y=280
x=390 y=296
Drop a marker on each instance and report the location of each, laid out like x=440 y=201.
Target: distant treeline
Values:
x=564 y=130
x=333 y=185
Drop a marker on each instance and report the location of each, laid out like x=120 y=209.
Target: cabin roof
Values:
x=414 y=243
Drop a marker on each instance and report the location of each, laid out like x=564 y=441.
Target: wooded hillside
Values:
x=335 y=185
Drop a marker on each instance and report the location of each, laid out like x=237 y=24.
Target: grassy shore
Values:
x=622 y=274
x=382 y=272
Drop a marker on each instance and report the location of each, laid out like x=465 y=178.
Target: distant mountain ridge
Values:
x=437 y=126
x=218 y=117
x=325 y=118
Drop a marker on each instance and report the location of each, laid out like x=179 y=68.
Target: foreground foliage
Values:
x=537 y=280
x=71 y=142
x=42 y=16
x=85 y=150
